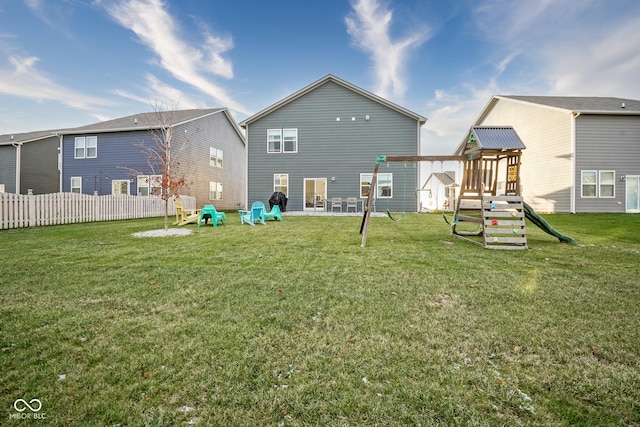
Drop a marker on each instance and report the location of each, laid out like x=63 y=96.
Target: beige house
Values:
x=582 y=153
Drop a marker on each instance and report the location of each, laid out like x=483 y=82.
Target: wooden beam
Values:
x=421 y=158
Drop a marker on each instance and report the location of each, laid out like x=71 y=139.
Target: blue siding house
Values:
x=116 y=156
x=321 y=143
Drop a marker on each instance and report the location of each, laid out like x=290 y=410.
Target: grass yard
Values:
x=294 y=323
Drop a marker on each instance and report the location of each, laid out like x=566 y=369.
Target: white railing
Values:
x=19 y=210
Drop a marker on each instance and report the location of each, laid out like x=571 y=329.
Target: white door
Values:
x=633 y=193
x=315 y=194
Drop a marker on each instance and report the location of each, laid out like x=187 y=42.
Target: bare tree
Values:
x=163 y=155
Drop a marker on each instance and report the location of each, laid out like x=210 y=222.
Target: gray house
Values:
x=583 y=153
x=30 y=161
x=120 y=156
x=321 y=143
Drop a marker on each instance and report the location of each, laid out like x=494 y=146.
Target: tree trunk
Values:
x=166 y=214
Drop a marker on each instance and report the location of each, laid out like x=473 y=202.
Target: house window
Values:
x=149 y=185
x=76 y=184
x=281 y=183
x=86 y=147
x=384 y=186
x=607 y=186
x=290 y=137
x=588 y=182
x=275 y=139
x=215 y=157
x=120 y=186
x=598 y=184
x=215 y=190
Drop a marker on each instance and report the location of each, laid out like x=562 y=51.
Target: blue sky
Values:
x=67 y=63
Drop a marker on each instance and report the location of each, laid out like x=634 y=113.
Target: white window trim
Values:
x=85 y=147
x=215 y=157
x=152 y=182
x=276 y=184
x=217 y=190
x=582 y=184
x=600 y=184
x=281 y=133
x=377 y=195
x=284 y=144
x=114 y=181
x=79 y=178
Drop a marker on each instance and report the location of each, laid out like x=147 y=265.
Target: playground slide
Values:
x=536 y=219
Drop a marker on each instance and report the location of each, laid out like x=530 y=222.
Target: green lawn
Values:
x=294 y=323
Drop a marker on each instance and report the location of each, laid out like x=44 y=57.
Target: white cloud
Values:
x=156 y=28
x=540 y=47
x=24 y=80
x=369 y=26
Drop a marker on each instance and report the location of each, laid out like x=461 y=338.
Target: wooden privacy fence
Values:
x=19 y=210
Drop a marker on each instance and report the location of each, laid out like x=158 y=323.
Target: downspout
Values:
x=418 y=170
x=18 y=147
x=246 y=169
x=572 y=208
x=60 y=165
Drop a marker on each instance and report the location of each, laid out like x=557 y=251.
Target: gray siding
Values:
x=217 y=132
x=8 y=168
x=607 y=143
x=546 y=174
x=328 y=148
x=122 y=155
x=39 y=169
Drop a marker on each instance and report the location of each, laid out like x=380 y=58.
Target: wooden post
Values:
x=367 y=210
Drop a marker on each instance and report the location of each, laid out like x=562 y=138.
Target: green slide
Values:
x=532 y=216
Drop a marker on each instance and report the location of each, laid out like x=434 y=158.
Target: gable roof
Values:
x=340 y=82
x=21 y=138
x=141 y=121
x=581 y=104
x=490 y=138
x=152 y=120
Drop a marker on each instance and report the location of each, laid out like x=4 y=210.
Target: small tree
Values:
x=163 y=156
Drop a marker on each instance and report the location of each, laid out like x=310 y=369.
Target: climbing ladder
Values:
x=500 y=221
x=503 y=225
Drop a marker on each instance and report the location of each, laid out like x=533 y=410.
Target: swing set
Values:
x=374 y=180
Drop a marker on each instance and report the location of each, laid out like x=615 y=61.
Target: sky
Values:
x=68 y=63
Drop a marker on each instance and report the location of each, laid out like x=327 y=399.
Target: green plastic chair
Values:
x=275 y=213
x=256 y=214
x=209 y=211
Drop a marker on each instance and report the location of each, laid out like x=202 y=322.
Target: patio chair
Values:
x=209 y=211
x=352 y=202
x=275 y=213
x=336 y=202
x=255 y=214
x=185 y=216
